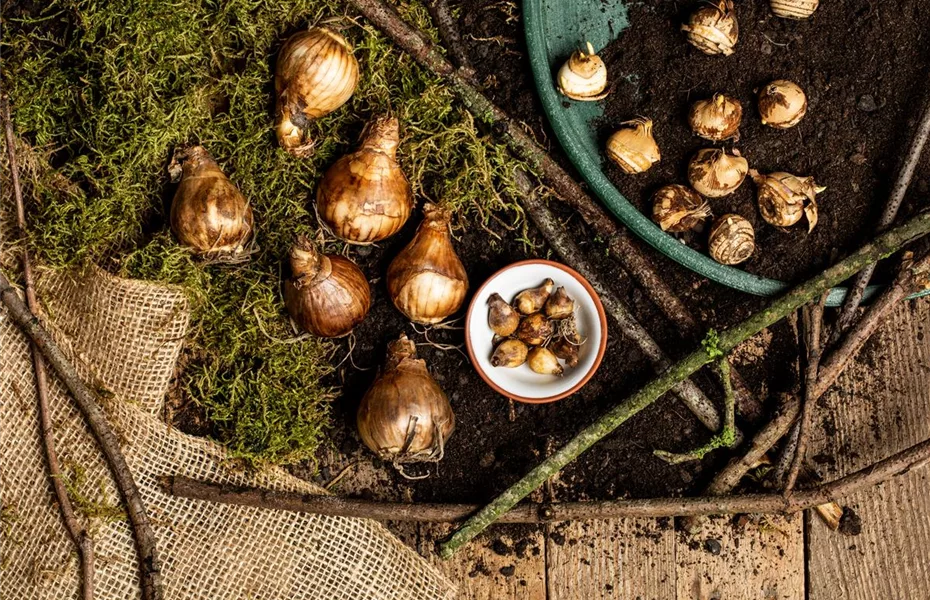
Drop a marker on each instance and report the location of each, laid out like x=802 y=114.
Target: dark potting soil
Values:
x=865 y=68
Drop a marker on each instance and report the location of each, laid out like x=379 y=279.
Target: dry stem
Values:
x=76 y=530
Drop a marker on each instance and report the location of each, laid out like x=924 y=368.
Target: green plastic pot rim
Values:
x=537 y=39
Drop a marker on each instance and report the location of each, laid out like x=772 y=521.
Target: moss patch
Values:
x=105 y=91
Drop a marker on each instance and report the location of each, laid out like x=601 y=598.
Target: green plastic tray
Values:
x=554 y=28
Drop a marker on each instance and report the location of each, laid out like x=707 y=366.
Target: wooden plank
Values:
x=753 y=559
x=878 y=407
x=503 y=564
x=621 y=559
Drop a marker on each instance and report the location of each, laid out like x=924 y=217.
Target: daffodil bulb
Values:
x=678 y=208
x=714 y=173
x=782 y=104
x=785 y=198
x=632 y=147
x=712 y=28
x=732 y=240
x=583 y=76
x=716 y=119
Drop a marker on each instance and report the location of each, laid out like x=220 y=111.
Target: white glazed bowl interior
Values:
x=521 y=382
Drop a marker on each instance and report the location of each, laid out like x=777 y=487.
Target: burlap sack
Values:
x=125 y=337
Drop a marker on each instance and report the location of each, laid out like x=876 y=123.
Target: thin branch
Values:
x=881 y=247
x=727 y=436
x=82 y=540
x=813 y=324
x=619 y=241
x=449 y=32
x=336 y=506
x=560 y=240
x=149 y=565
x=905 y=175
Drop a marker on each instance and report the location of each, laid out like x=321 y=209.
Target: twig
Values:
x=82 y=540
x=336 y=506
x=786 y=457
x=905 y=175
x=558 y=237
x=621 y=245
x=449 y=31
x=911 y=275
x=149 y=564
x=728 y=477
x=881 y=247
x=813 y=323
x=727 y=436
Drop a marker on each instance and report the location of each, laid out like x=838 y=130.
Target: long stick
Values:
x=149 y=564
x=905 y=175
x=879 y=248
x=76 y=530
x=556 y=511
x=619 y=242
x=561 y=242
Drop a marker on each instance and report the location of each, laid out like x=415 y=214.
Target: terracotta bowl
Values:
x=521 y=383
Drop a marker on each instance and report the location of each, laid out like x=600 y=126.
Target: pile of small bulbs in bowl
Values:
x=783 y=199
x=538 y=329
x=363 y=198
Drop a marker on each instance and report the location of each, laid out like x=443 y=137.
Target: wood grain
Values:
x=878 y=407
x=758 y=559
x=618 y=559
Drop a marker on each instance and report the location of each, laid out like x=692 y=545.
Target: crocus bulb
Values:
x=712 y=28
x=327 y=294
x=678 y=208
x=544 y=361
x=559 y=305
x=782 y=104
x=209 y=214
x=316 y=74
x=427 y=281
x=583 y=76
x=364 y=197
x=532 y=300
x=405 y=416
x=784 y=198
x=714 y=173
x=535 y=330
x=716 y=119
x=502 y=318
x=732 y=240
x=632 y=147
x=509 y=354
x=794 y=9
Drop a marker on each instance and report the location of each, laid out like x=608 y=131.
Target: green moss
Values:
x=105 y=91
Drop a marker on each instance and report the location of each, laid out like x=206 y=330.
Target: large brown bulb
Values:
x=365 y=197
x=209 y=214
x=405 y=416
x=327 y=294
x=316 y=74
x=427 y=281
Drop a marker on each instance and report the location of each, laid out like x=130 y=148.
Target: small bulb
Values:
x=535 y=329
x=714 y=173
x=583 y=76
x=678 y=208
x=716 y=119
x=785 y=198
x=794 y=9
x=532 y=300
x=544 y=361
x=633 y=147
x=782 y=104
x=567 y=349
x=509 y=354
x=560 y=305
x=712 y=28
x=502 y=318
x=732 y=240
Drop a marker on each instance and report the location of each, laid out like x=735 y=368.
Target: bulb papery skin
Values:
x=364 y=197
x=713 y=28
x=316 y=73
x=633 y=147
x=794 y=9
x=782 y=104
x=677 y=208
x=717 y=119
x=209 y=214
x=715 y=174
x=785 y=198
x=405 y=416
x=583 y=76
x=427 y=281
x=327 y=295
x=732 y=240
